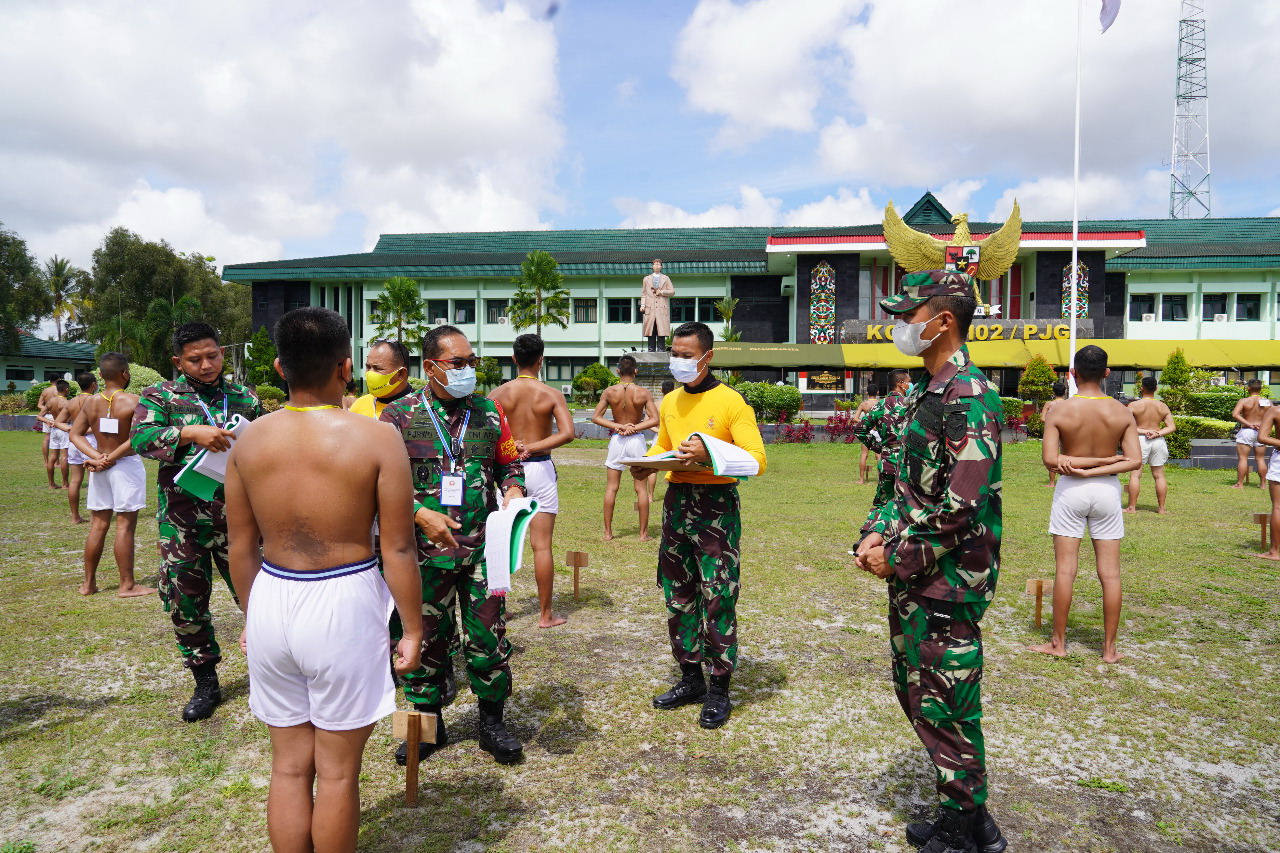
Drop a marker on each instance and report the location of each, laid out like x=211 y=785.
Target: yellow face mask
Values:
x=380 y=383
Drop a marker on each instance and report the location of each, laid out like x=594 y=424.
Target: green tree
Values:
x=1174 y=381
x=24 y=297
x=400 y=309
x=1036 y=383
x=725 y=308
x=162 y=320
x=259 y=363
x=488 y=372
x=64 y=280
x=541 y=298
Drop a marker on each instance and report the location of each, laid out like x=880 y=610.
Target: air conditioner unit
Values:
x=1148 y=318
x=566 y=390
x=441 y=321
x=1218 y=380
x=1219 y=318
x=503 y=321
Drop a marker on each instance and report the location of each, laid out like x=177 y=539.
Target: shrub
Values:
x=417 y=383
x=1017 y=424
x=32 y=395
x=601 y=377
x=270 y=392
x=770 y=400
x=841 y=424
x=269 y=406
x=1174 y=380
x=1217 y=405
x=1190 y=427
x=1035 y=425
x=1013 y=407
x=140 y=378
x=801 y=432
x=846 y=405
x=13 y=404
x=586 y=388
x=1036 y=382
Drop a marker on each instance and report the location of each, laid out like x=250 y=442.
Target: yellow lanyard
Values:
x=109 y=399
x=1090 y=397
x=310 y=408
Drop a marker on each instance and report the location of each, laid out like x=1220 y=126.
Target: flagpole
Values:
x=1075 y=207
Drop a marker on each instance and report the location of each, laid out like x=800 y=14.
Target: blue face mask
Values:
x=461 y=382
x=685 y=370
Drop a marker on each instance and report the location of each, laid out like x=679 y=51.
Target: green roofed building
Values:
x=807 y=297
x=42 y=361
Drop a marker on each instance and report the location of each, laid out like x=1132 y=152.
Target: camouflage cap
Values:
x=918 y=287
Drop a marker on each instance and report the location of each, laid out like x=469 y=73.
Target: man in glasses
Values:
x=386 y=375
x=460 y=448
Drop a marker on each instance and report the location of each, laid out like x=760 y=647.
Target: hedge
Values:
x=770 y=400
x=1189 y=427
x=1215 y=404
x=1013 y=407
x=269 y=392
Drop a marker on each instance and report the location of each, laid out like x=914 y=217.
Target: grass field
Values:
x=1172 y=749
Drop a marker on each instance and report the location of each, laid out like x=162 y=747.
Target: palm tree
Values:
x=541 y=297
x=162 y=321
x=399 y=308
x=65 y=283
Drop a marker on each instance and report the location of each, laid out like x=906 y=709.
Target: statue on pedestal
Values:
x=655 y=306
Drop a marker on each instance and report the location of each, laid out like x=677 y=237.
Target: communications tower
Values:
x=1189 y=167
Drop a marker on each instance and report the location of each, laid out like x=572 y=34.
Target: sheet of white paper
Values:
x=729 y=460
x=504 y=541
x=214 y=465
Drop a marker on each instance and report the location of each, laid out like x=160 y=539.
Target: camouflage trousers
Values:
x=698 y=566
x=937 y=675
x=188 y=557
x=884 y=483
x=455 y=593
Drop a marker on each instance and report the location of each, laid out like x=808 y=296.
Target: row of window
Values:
x=28 y=374
x=1245 y=307
x=584 y=310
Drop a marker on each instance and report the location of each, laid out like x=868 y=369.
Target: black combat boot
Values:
x=716 y=707
x=449 y=690
x=424 y=749
x=207 y=695
x=952 y=833
x=986 y=834
x=690 y=688
x=494 y=737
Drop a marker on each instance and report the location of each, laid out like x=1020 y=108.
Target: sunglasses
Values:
x=457 y=363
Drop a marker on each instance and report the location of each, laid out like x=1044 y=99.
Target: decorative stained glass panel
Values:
x=822 y=304
x=1082 y=292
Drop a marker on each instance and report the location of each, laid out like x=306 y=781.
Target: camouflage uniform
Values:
x=942 y=540
x=456 y=578
x=879 y=431
x=193 y=532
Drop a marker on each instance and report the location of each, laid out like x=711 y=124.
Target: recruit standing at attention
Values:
x=460 y=449
x=173 y=420
x=937 y=542
x=698 y=560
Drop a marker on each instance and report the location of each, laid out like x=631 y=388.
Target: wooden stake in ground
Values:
x=577 y=559
x=413 y=727
x=1263 y=519
x=1038 y=587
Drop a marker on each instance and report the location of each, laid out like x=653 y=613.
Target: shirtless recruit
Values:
x=308 y=480
x=632 y=410
x=56 y=440
x=1155 y=421
x=868 y=403
x=531 y=408
x=117 y=479
x=1248 y=414
x=1059 y=394
x=1081 y=437
x=75 y=459
x=1269 y=436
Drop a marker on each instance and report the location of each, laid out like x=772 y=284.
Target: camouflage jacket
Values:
x=880 y=429
x=163 y=410
x=942 y=525
x=489 y=459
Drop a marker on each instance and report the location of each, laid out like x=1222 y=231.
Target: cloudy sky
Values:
x=256 y=131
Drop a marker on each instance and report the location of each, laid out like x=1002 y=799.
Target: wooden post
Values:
x=1038 y=587
x=578 y=560
x=1263 y=520
x=414 y=728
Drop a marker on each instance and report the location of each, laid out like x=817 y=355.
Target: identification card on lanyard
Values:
x=208 y=414
x=109 y=424
x=451 y=482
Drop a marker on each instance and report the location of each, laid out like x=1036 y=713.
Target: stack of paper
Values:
x=727 y=460
x=206 y=471
x=504 y=542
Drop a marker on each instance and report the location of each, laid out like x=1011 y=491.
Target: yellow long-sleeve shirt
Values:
x=720 y=412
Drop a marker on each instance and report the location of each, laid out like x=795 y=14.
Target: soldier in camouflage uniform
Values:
x=460 y=448
x=937 y=542
x=172 y=421
x=880 y=430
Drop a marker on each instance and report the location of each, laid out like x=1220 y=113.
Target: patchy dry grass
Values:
x=1173 y=749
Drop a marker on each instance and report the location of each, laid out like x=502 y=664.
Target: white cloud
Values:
x=760 y=64
x=845 y=207
x=1102 y=196
x=243 y=125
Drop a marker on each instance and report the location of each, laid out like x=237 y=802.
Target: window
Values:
x=53 y=375
x=1139 y=304
x=437 y=309
x=495 y=309
x=1249 y=306
x=1173 y=307
x=584 y=310
x=683 y=309
x=619 y=310
x=262 y=303
x=464 y=311
x=21 y=374
x=707 y=310
x=1211 y=304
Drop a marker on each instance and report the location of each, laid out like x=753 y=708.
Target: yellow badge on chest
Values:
x=711 y=423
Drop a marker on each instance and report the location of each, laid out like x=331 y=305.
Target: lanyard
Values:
x=109 y=399
x=310 y=408
x=451 y=450
x=208 y=414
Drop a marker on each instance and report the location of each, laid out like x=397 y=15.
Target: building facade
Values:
x=39 y=361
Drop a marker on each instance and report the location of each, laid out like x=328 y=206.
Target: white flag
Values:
x=1107 y=17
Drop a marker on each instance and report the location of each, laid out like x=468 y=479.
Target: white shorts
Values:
x=74 y=456
x=121 y=488
x=44 y=427
x=319 y=647
x=625 y=447
x=1092 y=502
x=59 y=439
x=1244 y=436
x=1273 y=467
x=1155 y=451
x=540 y=482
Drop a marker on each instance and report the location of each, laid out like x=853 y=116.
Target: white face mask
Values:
x=685 y=370
x=907 y=337
x=462 y=382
